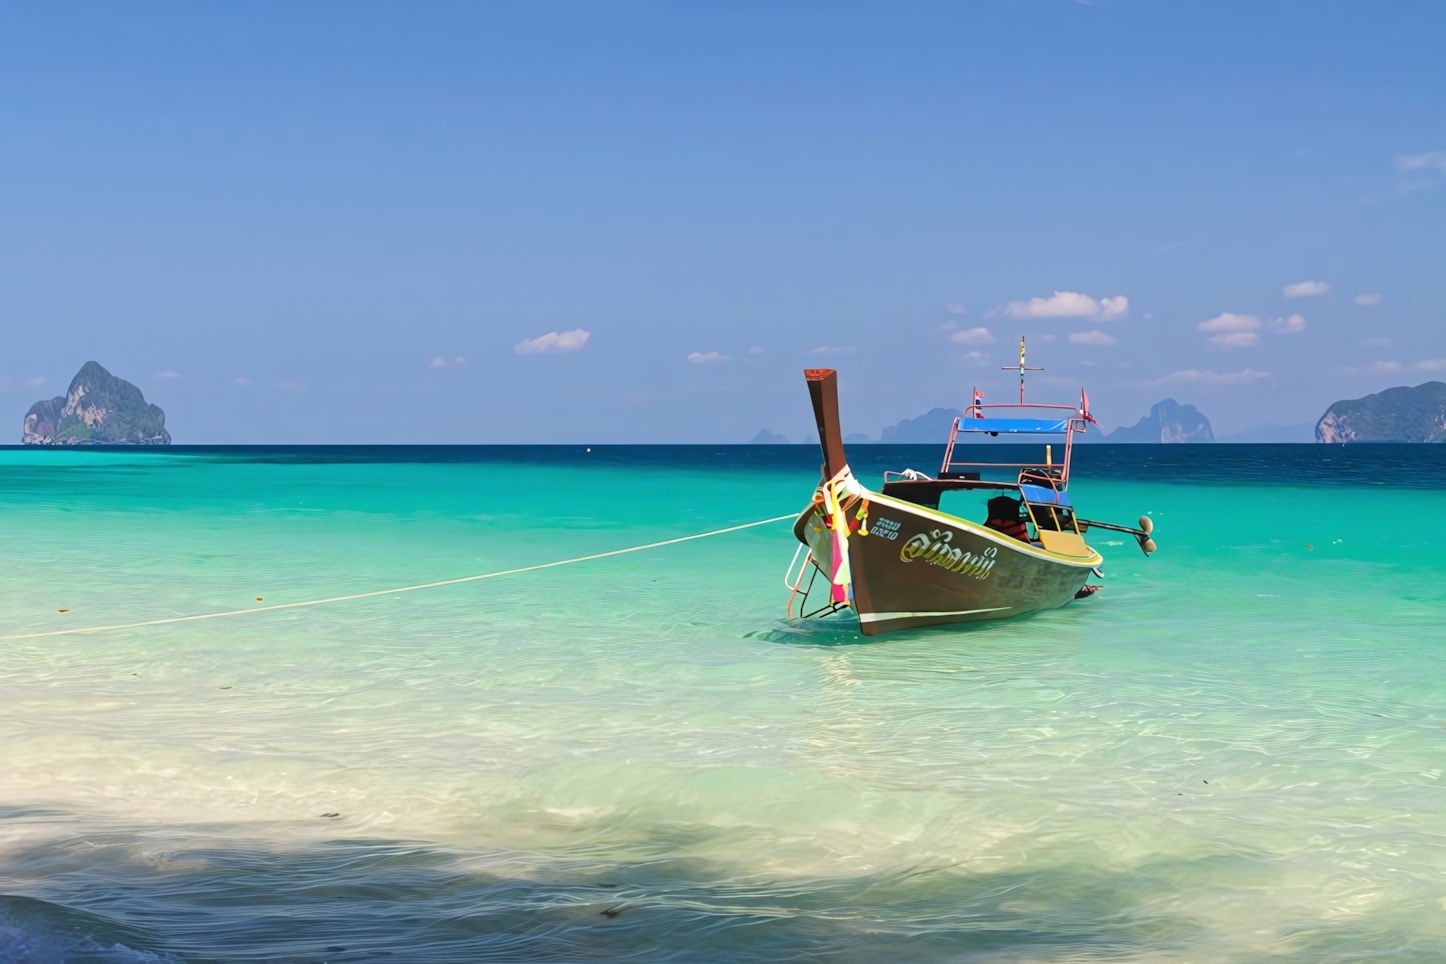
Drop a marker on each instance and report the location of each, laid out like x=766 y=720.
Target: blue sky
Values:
x=637 y=222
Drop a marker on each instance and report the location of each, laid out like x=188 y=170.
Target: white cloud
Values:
x=241 y=380
x=1199 y=377
x=1306 y=289
x=956 y=309
x=440 y=362
x=166 y=375
x=1370 y=299
x=553 y=341
x=1385 y=367
x=1230 y=321
x=831 y=350
x=1092 y=338
x=1433 y=161
x=1069 y=304
x=977 y=357
x=1232 y=330
x=1431 y=365
x=1113 y=308
x=1289 y=326
x=34 y=382
x=973 y=336
x=707 y=358
x=756 y=350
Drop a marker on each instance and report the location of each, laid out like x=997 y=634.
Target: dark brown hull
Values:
x=922 y=567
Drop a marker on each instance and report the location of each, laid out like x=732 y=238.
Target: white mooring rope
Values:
x=389 y=592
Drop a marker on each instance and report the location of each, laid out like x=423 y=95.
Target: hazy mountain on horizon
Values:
x=1168 y=422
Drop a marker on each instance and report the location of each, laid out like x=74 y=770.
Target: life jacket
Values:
x=1010 y=527
x=1004 y=517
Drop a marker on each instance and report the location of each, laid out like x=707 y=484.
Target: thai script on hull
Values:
x=935 y=549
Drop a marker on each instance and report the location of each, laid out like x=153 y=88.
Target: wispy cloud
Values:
x=757 y=350
x=1385 y=367
x=1196 y=376
x=1430 y=161
x=1306 y=289
x=1232 y=330
x=1069 y=304
x=977 y=358
x=707 y=358
x=1095 y=337
x=8 y=382
x=1293 y=325
x=242 y=381
x=831 y=350
x=291 y=386
x=166 y=375
x=1371 y=299
x=972 y=336
x=440 y=362
x=1431 y=365
x=955 y=308
x=553 y=341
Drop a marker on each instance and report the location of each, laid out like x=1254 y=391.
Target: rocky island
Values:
x=1396 y=415
x=1168 y=421
x=97 y=409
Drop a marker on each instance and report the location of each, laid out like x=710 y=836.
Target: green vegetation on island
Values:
x=1396 y=415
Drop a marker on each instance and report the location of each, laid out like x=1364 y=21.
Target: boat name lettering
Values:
x=934 y=548
x=884 y=529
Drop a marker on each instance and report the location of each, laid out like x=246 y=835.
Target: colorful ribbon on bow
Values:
x=834 y=491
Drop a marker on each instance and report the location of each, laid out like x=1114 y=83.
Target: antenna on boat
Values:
x=1022 y=369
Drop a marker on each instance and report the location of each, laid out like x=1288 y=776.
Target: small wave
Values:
x=35 y=931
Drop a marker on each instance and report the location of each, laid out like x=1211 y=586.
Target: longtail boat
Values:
x=898 y=561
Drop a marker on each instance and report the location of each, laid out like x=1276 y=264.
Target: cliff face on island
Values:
x=1168 y=421
x=97 y=409
x=1395 y=415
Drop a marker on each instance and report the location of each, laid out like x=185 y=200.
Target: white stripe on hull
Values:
x=885 y=617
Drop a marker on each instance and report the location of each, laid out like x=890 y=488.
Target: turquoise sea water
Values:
x=1233 y=753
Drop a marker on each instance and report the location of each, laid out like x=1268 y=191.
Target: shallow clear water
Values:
x=1234 y=752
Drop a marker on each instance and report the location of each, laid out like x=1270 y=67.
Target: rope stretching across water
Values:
x=391 y=592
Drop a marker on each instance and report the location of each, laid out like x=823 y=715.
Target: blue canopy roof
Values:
x=1015 y=426
x=1043 y=495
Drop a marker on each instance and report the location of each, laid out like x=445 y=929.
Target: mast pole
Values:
x=1022 y=369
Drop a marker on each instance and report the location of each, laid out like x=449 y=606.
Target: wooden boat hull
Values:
x=922 y=567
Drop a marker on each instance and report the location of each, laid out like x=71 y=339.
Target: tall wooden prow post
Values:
x=823 y=390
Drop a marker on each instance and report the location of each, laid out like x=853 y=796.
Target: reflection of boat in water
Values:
x=899 y=561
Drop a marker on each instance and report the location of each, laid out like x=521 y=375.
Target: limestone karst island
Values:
x=97 y=409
